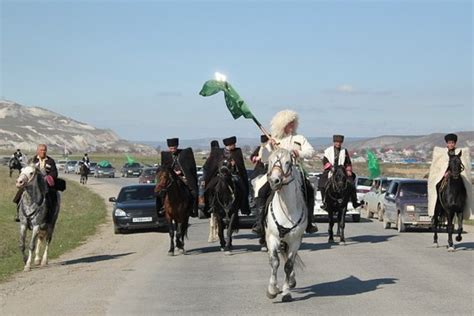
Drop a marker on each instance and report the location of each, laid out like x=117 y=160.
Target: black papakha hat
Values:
x=338 y=138
x=172 y=142
x=229 y=141
x=452 y=137
x=214 y=144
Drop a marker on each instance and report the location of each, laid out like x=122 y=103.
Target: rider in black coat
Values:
x=183 y=163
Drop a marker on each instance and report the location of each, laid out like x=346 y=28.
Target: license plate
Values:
x=141 y=219
x=425 y=219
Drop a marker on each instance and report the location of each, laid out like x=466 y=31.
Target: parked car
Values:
x=131 y=170
x=406 y=204
x=70 y=165
x=148 y=175
x=60 y=164
x=373 y=200
x=135 y=208
x=363 y=186
x=104 y=171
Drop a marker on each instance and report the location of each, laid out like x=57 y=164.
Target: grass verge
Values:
x=81 y=212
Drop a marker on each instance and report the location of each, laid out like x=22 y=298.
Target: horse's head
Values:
x=280 y=171
x=163 y=179
x=27 y=176
x=455 y=165
x=339 y=176
x=225 y=168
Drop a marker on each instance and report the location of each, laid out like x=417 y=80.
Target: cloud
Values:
x=348 y=89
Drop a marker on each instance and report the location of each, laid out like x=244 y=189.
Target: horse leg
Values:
x=450 y=231
x=34 y=237
x=274 y=244
x=220 y=227
x=171 y=226
x=331 y=225
x=435 y=227
x=228 y=246
x=290 y=280
x=37 y=250
x=342 y=224
x=460 y=218
x=23 y=229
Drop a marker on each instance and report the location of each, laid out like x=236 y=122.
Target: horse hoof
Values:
x=458 y=238
x=181 y=251
x=170 y=253
x=222 y=249
x=435 y=245
x=330 y=240
x=286 y=298
x=264 y=249
x=26 y=269
x=228 y=253
x=270 y=295
x=451 y=249
x=37 y=261
x=44 y=264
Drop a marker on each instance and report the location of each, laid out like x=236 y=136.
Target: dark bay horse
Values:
x=178 y=202
x=225 y=201
x=338 y=193
x=451 y=201
x=84 y=172
x=14 y=164
x=35 y=215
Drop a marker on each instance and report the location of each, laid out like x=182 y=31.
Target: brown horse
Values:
x=177 y=201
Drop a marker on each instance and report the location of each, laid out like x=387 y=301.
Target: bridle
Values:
x=278 y=165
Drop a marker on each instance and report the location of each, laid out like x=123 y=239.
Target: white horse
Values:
x=286 y=220
x=33 y=212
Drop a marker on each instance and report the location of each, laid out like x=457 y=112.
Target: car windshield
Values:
x=132 y=165
x=140 y=193
x=413 y=189
x=71 y=162
x=385 y=184
x=149 y=172
x=364 y=181
x=93 y=164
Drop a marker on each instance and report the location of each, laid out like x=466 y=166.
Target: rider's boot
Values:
x=258 y=227
x=310 y=228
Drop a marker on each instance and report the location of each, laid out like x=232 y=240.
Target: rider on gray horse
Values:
x=283 y=126
x=47 y=166
x=334 y=156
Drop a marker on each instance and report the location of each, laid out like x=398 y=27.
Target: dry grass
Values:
x=81 y=212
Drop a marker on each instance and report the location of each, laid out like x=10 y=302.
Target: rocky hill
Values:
x=423 y=142
x=25 y=127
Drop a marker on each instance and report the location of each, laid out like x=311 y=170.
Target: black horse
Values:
x=14 y=164
x=451 y=200
x=84 y=171
x=338 y=193
x=225 y=202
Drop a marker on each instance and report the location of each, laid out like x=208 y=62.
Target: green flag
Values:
x=234 y=102
x=130 y=160
x=372 y=165
x=104 y=164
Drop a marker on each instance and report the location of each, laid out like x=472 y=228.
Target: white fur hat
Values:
x=280 y=120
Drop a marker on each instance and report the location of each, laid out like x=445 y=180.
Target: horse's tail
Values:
x=299 y=264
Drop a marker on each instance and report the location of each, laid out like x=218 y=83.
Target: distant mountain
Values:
x=423 y=142
x=25 y=127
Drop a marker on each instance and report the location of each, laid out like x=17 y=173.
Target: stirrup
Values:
x=310 y=229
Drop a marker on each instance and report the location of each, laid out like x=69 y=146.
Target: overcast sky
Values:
x=357 y=68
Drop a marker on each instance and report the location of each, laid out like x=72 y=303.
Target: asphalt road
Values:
x=376 y=272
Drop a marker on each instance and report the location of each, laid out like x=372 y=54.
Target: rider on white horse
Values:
x=283 y=130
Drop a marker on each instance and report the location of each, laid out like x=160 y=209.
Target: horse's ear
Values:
x=460 y=154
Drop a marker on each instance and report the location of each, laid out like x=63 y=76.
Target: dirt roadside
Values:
x=83 y=280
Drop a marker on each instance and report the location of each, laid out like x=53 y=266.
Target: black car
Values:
x=131 y=170
x=135 y=208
